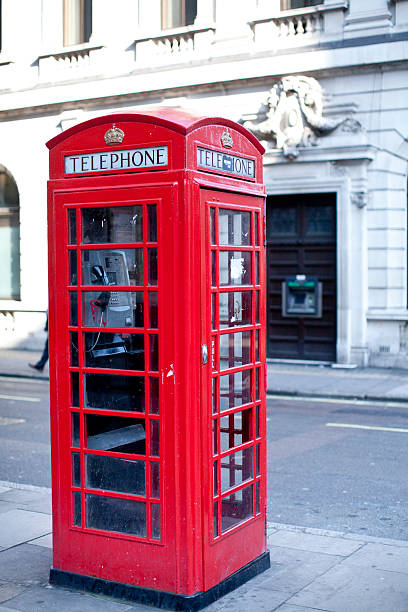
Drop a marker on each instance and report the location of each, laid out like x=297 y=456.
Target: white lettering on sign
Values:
x=150 y=157
x=224 y=162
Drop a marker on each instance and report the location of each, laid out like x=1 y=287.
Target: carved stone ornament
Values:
x=294 y=116
x=226 y=140
x=359 y=198
x=114 y=135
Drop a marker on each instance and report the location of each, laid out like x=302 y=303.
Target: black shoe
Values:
x=36 y=366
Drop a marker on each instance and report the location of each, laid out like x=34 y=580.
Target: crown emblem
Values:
x=226 y=140
x=114 y=135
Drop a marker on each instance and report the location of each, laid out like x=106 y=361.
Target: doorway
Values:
x=301 y=240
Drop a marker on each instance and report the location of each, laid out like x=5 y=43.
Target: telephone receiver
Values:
x=98 y=273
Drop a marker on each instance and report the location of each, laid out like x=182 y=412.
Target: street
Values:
x=332 y=464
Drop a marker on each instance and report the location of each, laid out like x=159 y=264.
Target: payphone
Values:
x=157 y=331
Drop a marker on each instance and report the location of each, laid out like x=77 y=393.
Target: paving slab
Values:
x=18 y=526
x=314 y=543
x=9 y=590
x=36 y=501
x=292 y=569
x=343 y=589
x=43 y=541
x=380 y=556
x=25 y=565
x=294 y=608
x=63 y=600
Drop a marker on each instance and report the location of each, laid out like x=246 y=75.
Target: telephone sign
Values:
x=157 y=357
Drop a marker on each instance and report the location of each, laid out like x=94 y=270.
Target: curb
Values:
x=336 y=396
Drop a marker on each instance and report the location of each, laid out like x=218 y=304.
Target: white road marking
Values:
x=368 y=427
x=20 y=398
x=338 y=400
x=10 y=421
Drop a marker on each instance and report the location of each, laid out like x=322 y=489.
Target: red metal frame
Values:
x=189 y=556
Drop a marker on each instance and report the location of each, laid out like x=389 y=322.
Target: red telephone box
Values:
x=157 y=357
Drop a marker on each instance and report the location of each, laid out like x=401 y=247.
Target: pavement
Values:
x=311 y=570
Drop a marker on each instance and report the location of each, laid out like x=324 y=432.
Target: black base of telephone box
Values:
x=160 y=599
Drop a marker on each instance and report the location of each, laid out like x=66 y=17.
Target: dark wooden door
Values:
x=301 y=239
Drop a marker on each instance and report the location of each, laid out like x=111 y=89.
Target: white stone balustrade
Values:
x=179 y=45
x=69 y=63
x=299 y=26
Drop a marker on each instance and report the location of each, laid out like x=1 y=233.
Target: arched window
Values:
x=9 y=237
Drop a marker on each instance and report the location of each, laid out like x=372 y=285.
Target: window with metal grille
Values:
x=77 y=21
x=9 y=237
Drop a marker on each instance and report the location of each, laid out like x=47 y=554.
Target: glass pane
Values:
x=236 y=469
x=109 y=267
x=283 y=222
x=236 y=508
x=153 y=310
x=154 y=353
x=257 y=345
x=235 y=267
x=258 y=497
x=256 y=268
x=114 y=392
x=257 y=384
x=235 y=350
x=115 y=434
x=72 y=268
x=155 y=509
x=76 y=469
x=121 y=224
x=152 y=214
x=215 y=437
x=213 y=311
x=235 y=390
x=114 y=514
x=319 y=221
x=76 y=510
x=114 y=350
x=155 y=438
x=214 y=394
x=215 y=519
x=257 y=422
x=75 y=389
x=234 y=227
x=213 y=269
x=215 y=478
x=258 y=460
x=75 y=430
x=112 y=308
x=72 y=227
x=154 y=395
x=155 y=479
x=114 y=474
x=235 y=429
x=73 y=308
x=74 y=348
x=256 y=306
x=235 y=309
x=212 y=225
x=152 y=266
x=256 y=229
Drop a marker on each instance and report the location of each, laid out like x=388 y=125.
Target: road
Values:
x=338 y=465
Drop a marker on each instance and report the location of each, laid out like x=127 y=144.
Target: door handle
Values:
x=204 y=354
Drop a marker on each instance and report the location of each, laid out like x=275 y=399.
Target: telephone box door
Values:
x=234 y=381
x=113 y=482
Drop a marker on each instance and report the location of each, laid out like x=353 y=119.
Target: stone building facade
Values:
x=323 y=84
